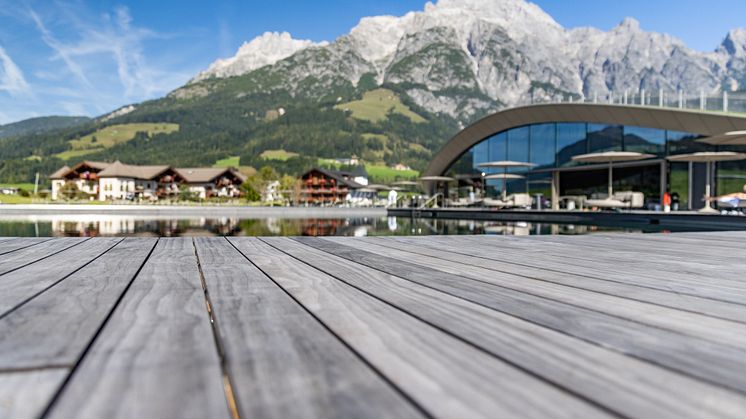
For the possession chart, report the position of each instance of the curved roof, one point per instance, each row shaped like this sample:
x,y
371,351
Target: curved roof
x,y
697,122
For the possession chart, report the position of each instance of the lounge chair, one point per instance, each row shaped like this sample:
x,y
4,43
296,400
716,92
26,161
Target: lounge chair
x,y
619,200
518,200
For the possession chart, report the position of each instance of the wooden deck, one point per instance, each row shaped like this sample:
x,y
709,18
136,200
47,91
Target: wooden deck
x,y
455,327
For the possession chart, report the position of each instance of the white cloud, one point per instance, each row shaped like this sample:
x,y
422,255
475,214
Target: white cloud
x,y
113,36
11,77
62,50
74,108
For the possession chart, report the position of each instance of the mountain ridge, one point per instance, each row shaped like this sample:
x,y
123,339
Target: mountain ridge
x,y
449,64
483,36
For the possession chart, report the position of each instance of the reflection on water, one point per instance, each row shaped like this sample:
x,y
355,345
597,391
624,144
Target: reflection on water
x,y
123,225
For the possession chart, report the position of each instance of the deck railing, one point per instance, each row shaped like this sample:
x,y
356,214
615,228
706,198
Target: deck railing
x,y
729,102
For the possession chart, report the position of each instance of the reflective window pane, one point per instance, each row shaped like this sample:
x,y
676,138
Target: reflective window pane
x,y
684,142
602,137
542,145
571,141
645,140
480,154
518,142
498,147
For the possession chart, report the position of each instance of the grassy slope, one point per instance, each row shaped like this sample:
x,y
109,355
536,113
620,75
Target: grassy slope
x,y
375,105
232,161
112,135
281,155
383,174
24,186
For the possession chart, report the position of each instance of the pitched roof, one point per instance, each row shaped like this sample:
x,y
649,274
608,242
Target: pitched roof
x,y
60,173
359,171
100,165
121,170
206,174
339,177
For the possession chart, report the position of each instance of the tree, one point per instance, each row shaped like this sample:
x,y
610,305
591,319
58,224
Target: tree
x,y
290,188
70,191
251,194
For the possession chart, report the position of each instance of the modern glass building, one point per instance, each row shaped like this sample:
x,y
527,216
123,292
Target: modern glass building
x,y
550,135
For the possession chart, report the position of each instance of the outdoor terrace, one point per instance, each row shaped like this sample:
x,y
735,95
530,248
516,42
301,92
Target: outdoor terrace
x,y
613,325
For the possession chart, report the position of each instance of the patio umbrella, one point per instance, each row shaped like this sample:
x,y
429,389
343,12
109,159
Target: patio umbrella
x,y
378,187
436,179
405,183
505,165
708,157
611,157
729,138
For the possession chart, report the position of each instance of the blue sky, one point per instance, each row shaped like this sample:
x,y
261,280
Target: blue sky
x,y
90,57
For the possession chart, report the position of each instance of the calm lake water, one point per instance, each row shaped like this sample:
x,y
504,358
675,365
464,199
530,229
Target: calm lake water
x,y
124,225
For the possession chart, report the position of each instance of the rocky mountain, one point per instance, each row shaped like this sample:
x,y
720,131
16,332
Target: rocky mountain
x,y
466,57
391,91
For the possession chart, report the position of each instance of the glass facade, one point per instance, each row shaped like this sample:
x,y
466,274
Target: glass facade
x,y
551,146
603,137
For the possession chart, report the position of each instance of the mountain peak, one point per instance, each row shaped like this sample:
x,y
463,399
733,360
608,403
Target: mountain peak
x,y
266,49
735,42
629,24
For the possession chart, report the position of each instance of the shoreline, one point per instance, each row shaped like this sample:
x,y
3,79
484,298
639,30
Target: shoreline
x,y
186,211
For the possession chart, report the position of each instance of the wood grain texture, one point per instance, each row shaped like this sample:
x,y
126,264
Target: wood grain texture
x,y
155,357
8,245
686,278
22,394
56,327
282,361
720,364
650,313
27,256
625,385
553,273
22,284
444,374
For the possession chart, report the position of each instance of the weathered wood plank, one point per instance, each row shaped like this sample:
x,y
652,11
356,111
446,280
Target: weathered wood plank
x,y
719,364
669,248
11,245
20,392
56,327
20,285
625,385
282,361
687,279
552,273
443,374
717,330
156,356
24,257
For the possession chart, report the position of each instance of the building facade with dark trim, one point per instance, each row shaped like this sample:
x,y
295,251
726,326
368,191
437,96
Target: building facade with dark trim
x,y
549,135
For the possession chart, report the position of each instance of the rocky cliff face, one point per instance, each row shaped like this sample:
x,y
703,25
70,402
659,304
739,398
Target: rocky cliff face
x,y
467,57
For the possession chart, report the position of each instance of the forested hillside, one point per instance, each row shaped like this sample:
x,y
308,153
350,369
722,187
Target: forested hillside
x,y
217,119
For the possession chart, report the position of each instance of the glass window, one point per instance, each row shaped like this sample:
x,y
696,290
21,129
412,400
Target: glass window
x,y
480,154
542,145
684,142
731,175
518,144
571,141
645,140
498,147
602,137
678,181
